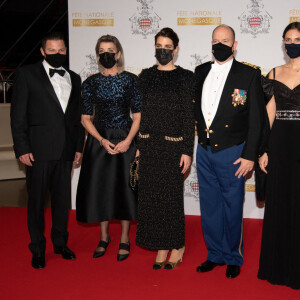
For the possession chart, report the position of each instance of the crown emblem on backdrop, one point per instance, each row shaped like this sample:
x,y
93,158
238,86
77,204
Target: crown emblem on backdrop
x,y
144,21
255,19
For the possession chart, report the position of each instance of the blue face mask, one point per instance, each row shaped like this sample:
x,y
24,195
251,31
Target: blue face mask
x,y
293,50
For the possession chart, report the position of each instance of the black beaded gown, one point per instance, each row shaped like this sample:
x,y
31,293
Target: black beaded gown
x,y
166,132
280,247
103,191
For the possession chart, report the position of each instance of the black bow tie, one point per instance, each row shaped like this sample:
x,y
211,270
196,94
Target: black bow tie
x,y
53,71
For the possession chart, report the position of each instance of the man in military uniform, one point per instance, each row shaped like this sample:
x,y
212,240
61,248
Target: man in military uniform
x,y
229,110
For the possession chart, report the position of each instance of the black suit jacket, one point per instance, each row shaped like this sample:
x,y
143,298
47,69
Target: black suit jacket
x,y
233,124
38,123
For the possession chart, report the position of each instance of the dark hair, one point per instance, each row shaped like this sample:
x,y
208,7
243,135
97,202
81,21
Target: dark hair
x,y
111,39
225,26
54,36
169,33
294,25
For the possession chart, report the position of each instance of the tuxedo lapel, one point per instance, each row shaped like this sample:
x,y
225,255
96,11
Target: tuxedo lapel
x,y
72,88
227,90
47,84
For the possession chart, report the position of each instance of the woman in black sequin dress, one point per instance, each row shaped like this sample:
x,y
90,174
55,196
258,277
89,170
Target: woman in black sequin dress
x,y
280,247
165,143
103,190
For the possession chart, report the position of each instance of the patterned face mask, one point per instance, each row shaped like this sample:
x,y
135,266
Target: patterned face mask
x,y
107,59
164,56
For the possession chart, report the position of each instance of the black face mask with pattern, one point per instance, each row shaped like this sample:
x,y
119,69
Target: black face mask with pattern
x,y
221,51
164,56
107,59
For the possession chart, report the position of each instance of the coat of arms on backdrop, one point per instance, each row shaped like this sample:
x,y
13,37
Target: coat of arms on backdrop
x,y
255,19
144,21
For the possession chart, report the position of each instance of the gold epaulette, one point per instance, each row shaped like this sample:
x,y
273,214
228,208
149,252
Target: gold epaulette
x,y
209,61
250,65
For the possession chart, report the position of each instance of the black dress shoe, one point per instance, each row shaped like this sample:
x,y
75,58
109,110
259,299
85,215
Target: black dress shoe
x,y
232,271
38,261
102,244
65,252
208,266
123,246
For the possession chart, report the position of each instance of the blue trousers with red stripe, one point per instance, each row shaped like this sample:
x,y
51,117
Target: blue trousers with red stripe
x,y
221,202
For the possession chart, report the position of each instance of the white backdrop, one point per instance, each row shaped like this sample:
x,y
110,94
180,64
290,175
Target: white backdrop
x,y
258,24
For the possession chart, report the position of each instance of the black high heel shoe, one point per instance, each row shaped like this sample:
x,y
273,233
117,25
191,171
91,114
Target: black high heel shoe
x,y
102,244
123,246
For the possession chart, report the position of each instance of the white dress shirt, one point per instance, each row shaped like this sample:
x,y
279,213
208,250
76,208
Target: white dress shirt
x,y
212,90
62,85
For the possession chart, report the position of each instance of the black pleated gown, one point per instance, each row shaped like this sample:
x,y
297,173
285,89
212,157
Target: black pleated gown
x,y
280,247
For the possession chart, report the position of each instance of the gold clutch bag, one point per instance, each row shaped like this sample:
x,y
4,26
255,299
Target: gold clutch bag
x,y
134,174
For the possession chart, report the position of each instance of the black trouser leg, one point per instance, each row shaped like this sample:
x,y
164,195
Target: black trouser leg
x,y
37,182
60,188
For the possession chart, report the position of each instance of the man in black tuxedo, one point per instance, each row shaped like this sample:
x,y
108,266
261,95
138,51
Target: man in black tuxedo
x,y
229,110
48,138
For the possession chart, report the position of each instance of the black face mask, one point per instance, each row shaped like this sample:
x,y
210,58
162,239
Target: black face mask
x,y
164,56
107,59
56,60
221,51
293,50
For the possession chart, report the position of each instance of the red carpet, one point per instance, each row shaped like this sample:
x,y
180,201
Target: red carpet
x,y
105,278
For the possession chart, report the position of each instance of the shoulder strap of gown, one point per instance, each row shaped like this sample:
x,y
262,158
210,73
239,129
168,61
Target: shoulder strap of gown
x,y
273,73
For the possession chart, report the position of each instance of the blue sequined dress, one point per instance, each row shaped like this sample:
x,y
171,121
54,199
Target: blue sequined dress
x,y
103,191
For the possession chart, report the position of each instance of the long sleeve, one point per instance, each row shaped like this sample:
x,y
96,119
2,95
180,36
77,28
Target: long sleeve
x,y
87,97
81,130
19,123
139,84
136,98
255,119
188,120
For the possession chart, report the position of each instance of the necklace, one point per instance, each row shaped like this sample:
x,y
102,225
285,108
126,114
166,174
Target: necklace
x,y
110,75
297,70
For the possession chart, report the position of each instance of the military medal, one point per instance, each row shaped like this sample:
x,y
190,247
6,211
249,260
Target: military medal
x,y
239,97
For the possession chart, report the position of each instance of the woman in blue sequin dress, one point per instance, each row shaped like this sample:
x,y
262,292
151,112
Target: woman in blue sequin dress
x,y
103,190
280,247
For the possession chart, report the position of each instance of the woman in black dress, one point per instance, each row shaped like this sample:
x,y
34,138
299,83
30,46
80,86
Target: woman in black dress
x,y
165,143
103,190
280,247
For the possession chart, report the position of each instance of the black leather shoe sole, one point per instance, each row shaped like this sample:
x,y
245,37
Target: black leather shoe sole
x,y
233,271
98,254
38,262
121,257
65,252
208,266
